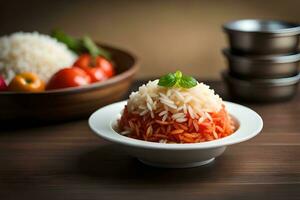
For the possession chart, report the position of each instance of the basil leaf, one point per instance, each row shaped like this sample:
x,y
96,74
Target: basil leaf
x,y
177,79
187,82
168,80
178,75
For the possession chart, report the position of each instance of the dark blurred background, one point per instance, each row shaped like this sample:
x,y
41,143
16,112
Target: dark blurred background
x,y
166,35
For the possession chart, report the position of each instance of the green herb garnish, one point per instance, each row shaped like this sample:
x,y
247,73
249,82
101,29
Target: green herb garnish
x,y
93,49
187,82
72,43
82,45
177,79
168,80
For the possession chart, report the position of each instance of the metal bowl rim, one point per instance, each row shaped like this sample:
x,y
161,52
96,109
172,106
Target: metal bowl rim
x,y
295,30
264,82
289,58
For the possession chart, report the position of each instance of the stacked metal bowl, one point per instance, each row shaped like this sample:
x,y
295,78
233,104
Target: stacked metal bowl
x,y
263,59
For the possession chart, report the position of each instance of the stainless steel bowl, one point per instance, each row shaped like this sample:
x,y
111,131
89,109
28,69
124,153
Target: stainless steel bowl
x,y
252,36
261,90
262,66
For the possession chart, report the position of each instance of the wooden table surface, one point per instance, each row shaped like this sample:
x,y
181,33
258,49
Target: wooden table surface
x,y
67,161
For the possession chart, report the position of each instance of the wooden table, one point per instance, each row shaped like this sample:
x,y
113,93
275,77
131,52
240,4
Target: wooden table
x,y
67,161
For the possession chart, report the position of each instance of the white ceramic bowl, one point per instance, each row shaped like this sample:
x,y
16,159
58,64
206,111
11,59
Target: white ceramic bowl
x,y
175,155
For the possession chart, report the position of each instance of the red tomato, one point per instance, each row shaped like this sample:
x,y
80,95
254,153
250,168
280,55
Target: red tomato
x,y
95,73
83,61
106,66
68,77
98,68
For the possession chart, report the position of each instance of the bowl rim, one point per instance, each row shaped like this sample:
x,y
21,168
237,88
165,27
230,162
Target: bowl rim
x,y
288,58
110,134
294,30
97,85
287,81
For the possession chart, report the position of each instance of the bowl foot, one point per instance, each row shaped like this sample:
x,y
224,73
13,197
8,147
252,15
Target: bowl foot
x,y
176,165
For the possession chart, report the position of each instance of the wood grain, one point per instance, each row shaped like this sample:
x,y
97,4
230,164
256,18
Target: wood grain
x,y
67,161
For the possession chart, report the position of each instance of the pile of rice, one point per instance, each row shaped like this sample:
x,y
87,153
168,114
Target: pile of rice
x,y
33,52
175,115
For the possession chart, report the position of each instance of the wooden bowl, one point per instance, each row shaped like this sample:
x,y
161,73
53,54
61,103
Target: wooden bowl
x,y
70,103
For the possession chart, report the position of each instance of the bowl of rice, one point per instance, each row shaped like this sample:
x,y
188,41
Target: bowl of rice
x,y
44,55
174,126
33,52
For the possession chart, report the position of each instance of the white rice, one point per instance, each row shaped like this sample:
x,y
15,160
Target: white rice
x,y
176,102
33,52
